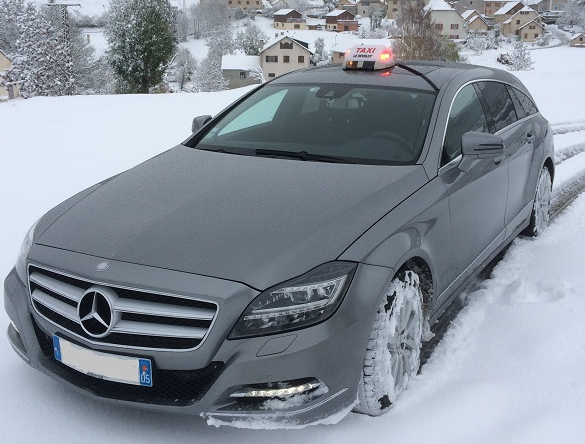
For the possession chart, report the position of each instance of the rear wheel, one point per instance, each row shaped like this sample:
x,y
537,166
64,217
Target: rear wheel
x,y
393,351
541,206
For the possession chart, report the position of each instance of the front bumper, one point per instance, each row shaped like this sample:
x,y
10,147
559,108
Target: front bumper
x,y
201,381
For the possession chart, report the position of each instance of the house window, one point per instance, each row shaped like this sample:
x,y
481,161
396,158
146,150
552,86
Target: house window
x,y
345,28
301,59
271,59
286,45
230,2
532,27
455,26
525,36
523,12
286,59
439,26
271,74
535,36
517,22
242,74
454,37
297,26
488,4
248,2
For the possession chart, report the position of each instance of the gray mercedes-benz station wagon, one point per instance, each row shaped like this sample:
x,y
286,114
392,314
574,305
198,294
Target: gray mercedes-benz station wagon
x,y
288,260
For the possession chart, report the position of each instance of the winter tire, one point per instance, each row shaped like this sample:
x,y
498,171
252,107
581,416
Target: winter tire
x,y
541,206
393,351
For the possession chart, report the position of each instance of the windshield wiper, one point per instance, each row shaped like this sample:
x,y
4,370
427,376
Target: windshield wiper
x,y
302,155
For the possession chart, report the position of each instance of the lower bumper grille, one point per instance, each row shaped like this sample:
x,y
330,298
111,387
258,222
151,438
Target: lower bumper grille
x,y
171,387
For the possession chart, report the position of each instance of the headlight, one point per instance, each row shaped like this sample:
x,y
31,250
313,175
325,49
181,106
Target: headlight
x,y
24,249
304,301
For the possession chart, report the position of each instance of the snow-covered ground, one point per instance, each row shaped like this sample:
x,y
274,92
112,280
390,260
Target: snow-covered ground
x,y
509,369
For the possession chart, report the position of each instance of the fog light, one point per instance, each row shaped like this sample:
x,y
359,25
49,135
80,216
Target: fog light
x,y
280,390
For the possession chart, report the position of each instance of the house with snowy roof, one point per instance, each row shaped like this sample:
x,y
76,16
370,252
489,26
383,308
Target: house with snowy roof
x,y
238,69
12,91
289,19
507,11
395,7
447,20
546,5
341,20
245,4
526,23
284,54
366,7
490,6
476,23
348,5
578,41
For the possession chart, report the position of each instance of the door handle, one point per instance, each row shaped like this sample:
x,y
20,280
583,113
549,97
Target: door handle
x,y
529,138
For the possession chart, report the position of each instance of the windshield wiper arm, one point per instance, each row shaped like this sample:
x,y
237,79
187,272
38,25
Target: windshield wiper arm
x,y
302,155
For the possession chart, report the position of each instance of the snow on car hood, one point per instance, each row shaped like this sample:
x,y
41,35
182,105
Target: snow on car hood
x,y
253,220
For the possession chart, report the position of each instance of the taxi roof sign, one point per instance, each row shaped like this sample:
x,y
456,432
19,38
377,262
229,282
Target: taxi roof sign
x,y
369,57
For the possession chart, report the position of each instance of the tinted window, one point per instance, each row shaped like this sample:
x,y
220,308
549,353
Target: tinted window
x,y
359,123
527,103
499,103
519,108
466,115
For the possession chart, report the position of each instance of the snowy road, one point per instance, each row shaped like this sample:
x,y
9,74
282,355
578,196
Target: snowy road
x,y
509,369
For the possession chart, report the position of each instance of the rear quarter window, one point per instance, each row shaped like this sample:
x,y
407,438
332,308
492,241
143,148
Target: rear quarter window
x,y
499,103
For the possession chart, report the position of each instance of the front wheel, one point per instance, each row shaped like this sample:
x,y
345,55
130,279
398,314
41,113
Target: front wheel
x,y
541,206
393,351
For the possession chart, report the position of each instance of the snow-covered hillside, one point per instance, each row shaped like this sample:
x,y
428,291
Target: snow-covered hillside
x,y
509,369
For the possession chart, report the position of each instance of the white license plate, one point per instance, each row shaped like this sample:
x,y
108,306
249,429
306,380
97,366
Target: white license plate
x,y
128,370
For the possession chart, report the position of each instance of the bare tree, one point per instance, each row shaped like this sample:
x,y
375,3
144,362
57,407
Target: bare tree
x,y
417,38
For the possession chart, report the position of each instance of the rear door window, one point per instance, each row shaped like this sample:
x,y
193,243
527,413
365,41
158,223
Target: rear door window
x,y
499,103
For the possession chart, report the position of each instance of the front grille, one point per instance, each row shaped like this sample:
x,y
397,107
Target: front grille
x,y
140,319
171,387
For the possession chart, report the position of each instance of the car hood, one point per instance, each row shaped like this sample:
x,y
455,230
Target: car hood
x,y
253,220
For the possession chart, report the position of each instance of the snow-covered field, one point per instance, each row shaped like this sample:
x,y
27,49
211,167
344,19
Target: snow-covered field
x,y
509,369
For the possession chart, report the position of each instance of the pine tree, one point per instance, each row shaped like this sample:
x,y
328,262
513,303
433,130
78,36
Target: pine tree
x,y
9,10
141,38
41,63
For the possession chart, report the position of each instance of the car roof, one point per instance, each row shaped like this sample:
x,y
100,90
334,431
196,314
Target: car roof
x,y
439,73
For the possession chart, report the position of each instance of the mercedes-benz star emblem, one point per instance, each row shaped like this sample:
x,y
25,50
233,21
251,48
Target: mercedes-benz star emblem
x,y
102,266
95,313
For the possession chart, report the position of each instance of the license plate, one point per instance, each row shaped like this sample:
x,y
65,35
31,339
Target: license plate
x,y
124,369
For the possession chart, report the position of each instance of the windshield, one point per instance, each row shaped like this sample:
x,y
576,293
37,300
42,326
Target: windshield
x,y
341,123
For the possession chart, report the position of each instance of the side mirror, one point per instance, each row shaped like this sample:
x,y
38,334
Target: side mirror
x,y
482,145
199,122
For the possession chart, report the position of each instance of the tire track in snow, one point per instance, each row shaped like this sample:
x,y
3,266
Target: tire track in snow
x,y
569,151
568,127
